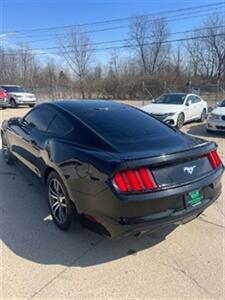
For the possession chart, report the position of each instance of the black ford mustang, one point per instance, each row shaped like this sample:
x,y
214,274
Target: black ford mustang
x,y
116,169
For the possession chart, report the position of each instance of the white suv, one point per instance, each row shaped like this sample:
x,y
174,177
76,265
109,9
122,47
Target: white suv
x,y
17,95
177,108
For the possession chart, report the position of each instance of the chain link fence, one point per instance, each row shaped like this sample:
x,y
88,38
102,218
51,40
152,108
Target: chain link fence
x,y
212,93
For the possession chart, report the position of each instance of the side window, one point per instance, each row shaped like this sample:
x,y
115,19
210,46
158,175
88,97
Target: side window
x,y
59,126
80,133
39,118
197,99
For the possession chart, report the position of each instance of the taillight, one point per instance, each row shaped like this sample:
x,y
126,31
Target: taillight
x,y
214,159
138,180
2,95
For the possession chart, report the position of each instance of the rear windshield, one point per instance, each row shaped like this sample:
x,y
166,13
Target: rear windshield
x,y
14,89
125,127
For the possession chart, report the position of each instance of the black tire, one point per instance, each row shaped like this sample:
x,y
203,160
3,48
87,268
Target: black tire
x,y
31,105
13,103
6,153
180,121
203,116
60,205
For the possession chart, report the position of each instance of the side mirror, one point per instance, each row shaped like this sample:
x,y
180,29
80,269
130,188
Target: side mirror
x,y
14,121
153,100
217,103
188,103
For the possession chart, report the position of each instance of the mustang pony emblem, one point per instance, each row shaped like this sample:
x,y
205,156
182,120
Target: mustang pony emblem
x,y
189,170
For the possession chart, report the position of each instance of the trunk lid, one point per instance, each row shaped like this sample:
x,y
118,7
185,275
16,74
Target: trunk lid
x,y
171,169
179,173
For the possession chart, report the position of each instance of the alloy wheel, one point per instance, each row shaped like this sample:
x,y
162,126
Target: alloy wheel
x,y
203,116
57,200
6,152
13,103
180,121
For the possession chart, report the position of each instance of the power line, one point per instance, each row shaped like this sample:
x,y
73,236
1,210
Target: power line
x,y
129,46
115,20
130,39
47,37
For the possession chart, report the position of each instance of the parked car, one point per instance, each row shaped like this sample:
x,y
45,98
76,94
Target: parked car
x,y
18,95
115,178
178,108
216,118
3,99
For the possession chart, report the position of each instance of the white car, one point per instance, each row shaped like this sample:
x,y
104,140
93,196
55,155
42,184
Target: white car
x,y
216,119
178,108
17,95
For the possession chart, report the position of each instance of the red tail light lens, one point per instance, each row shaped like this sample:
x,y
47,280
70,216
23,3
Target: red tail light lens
x,y
120,182
134,180
214,159
147,179
137,180
2,95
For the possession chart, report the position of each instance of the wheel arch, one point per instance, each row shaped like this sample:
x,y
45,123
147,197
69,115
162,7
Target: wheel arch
x,y
50,170
47,171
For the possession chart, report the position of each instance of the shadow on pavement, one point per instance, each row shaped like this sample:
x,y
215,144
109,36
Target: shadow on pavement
x,y
28,231
200,130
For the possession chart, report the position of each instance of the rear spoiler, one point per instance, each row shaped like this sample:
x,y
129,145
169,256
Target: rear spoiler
x,y
187,154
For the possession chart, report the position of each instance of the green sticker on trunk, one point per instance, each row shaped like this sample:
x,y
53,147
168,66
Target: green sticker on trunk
x,y
194,198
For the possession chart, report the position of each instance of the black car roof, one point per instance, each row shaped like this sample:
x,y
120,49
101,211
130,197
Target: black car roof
x,y
121,127
81,105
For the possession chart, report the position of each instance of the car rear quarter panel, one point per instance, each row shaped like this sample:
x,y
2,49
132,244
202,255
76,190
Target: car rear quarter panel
x,y
84,172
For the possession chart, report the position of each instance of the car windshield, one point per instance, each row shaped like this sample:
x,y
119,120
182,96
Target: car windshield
x,y
223,103
14,89
177,99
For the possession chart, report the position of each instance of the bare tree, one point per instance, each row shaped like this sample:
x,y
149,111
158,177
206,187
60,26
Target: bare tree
x,y
206,48
148,39
26,64
77,51
17,65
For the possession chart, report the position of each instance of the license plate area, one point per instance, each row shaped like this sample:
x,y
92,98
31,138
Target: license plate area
x,y
194,198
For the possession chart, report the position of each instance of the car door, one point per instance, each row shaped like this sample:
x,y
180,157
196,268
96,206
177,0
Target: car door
x,y
198,106
29,138
190,110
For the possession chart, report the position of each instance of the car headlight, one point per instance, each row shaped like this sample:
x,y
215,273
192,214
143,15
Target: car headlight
x,y
170,114
214,117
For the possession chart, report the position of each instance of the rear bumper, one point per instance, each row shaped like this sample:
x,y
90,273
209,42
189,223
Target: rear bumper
x,y
4,104
132,226
26,102
146,213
